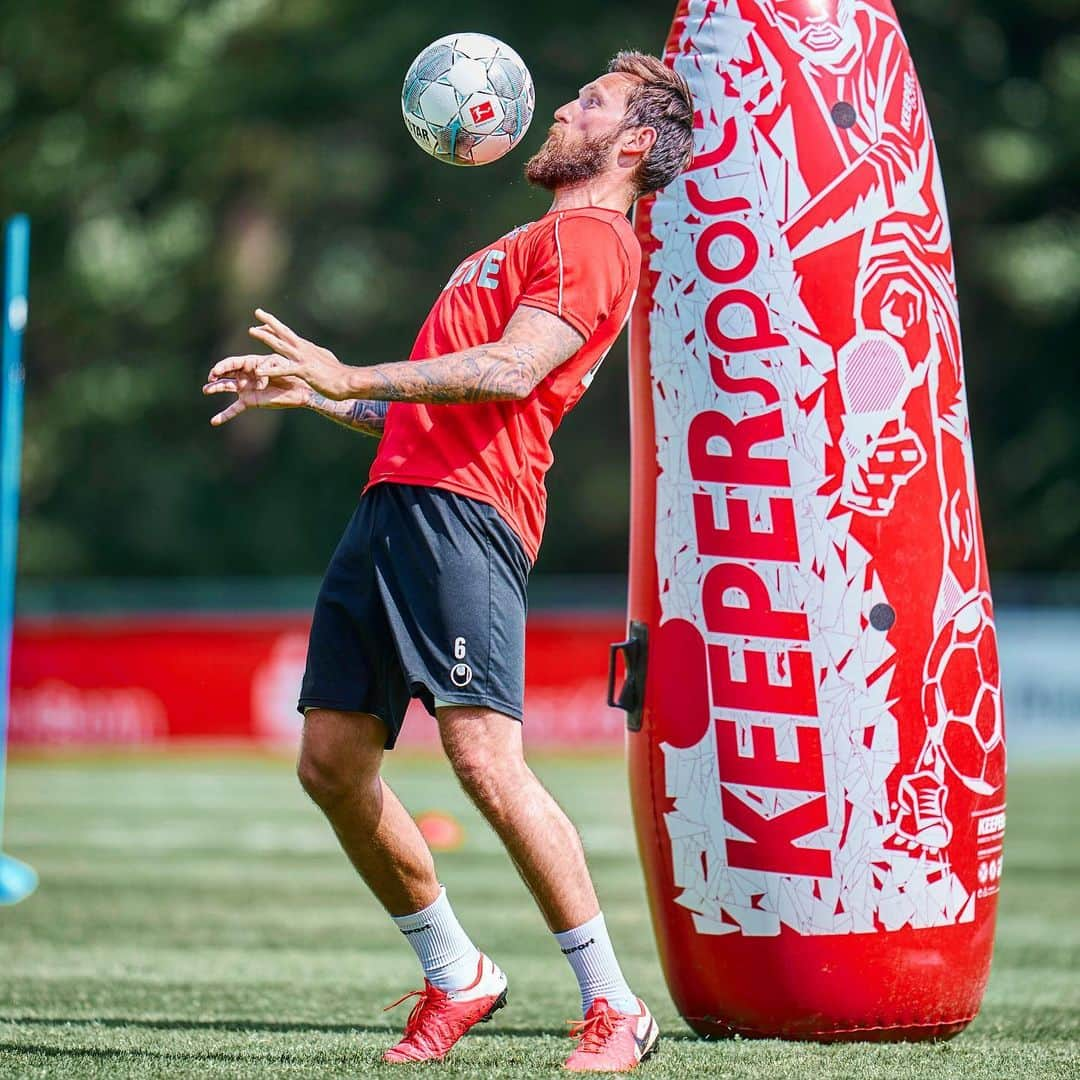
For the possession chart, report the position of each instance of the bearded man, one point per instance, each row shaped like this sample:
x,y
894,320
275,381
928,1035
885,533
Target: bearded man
x,y
425,595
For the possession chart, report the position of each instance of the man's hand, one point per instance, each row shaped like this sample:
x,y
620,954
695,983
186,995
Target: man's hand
x,y
258,392
294,356
533,344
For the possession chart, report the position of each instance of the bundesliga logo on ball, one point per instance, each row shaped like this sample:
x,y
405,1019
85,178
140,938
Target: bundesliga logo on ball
x,y
467,99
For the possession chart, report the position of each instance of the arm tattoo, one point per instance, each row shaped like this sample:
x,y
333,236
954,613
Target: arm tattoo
x,y
534,343
367,417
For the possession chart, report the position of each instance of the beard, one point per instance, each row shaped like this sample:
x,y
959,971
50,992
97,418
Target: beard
x,y
557,165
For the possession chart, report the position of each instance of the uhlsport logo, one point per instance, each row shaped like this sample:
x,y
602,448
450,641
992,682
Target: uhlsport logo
x,y
460,674
578,948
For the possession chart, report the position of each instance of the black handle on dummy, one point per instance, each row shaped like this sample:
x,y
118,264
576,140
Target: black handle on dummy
x,y
631,697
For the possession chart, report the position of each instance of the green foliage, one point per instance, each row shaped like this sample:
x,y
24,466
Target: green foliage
x,y
185,161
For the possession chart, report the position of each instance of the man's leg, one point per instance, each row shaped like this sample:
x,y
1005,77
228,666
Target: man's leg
x,y
340,757
485,749
339,768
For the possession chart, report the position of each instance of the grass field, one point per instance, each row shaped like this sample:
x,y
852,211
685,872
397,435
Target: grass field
x,y
195,919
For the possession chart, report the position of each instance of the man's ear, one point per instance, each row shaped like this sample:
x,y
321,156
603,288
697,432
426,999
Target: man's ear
x,y
638,140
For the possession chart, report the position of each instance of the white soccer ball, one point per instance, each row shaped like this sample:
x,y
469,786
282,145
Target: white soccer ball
x,y
467,99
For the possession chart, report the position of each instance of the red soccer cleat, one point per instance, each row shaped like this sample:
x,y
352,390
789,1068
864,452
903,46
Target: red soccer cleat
x,y
440,1018
611,1041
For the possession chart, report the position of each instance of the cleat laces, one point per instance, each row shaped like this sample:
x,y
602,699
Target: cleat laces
x,y
594,1031
428,1000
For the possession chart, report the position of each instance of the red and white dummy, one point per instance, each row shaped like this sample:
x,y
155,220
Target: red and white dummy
x,y
819,776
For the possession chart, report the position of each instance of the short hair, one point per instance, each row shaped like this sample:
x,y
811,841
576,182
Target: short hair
x,y
661,100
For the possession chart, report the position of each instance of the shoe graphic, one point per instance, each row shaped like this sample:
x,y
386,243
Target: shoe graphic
x,y
921,818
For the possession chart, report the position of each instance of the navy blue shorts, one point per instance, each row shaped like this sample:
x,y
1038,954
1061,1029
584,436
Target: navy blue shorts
x,y
424,597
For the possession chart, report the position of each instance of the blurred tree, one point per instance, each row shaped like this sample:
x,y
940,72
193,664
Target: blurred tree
x,y
185,161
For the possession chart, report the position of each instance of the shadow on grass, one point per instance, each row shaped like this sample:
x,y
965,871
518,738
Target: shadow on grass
x,y
240,1026
127,1053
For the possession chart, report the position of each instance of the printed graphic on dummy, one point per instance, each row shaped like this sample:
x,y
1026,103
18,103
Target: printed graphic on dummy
x,y
965,735
837,834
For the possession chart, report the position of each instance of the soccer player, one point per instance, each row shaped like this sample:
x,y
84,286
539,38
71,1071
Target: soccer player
x,y
425,595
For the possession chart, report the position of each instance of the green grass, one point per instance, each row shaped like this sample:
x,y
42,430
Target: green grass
x,y
195,919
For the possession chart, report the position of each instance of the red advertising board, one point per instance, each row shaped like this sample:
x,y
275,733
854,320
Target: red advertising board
x,y
217,679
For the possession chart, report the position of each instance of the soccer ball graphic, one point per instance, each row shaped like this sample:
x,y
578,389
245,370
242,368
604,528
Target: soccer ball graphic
x,y
467,99
962,698
965,731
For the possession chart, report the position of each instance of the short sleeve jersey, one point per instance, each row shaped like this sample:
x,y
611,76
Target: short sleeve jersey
x,y
581,265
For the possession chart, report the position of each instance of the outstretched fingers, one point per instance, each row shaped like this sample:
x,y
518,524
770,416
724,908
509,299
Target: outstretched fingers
x,y
228,413
230,386
269,336
256,366
233,366
250,377
278,327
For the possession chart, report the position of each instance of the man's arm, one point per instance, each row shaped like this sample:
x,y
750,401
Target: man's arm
x,y
287,392
534,343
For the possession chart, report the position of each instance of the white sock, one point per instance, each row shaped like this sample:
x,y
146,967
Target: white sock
x,y
588,948
449,959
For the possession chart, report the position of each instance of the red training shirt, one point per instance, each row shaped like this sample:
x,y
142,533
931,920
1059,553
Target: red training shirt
x,y
581,265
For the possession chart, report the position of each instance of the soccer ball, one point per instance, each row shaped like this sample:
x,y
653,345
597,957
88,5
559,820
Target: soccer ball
x,y
467,99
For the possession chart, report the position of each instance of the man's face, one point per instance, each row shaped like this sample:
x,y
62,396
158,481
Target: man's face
x,y
820,30
581,142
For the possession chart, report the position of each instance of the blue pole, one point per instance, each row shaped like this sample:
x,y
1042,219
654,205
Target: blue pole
x,y
17,880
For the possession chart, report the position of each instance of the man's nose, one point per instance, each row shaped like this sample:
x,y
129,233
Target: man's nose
x,y
562,113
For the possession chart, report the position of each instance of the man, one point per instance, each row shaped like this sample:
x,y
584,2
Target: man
x,y
425,596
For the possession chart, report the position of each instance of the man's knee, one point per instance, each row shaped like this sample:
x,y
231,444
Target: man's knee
x,y
322,776
489,768
475,770
340,754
